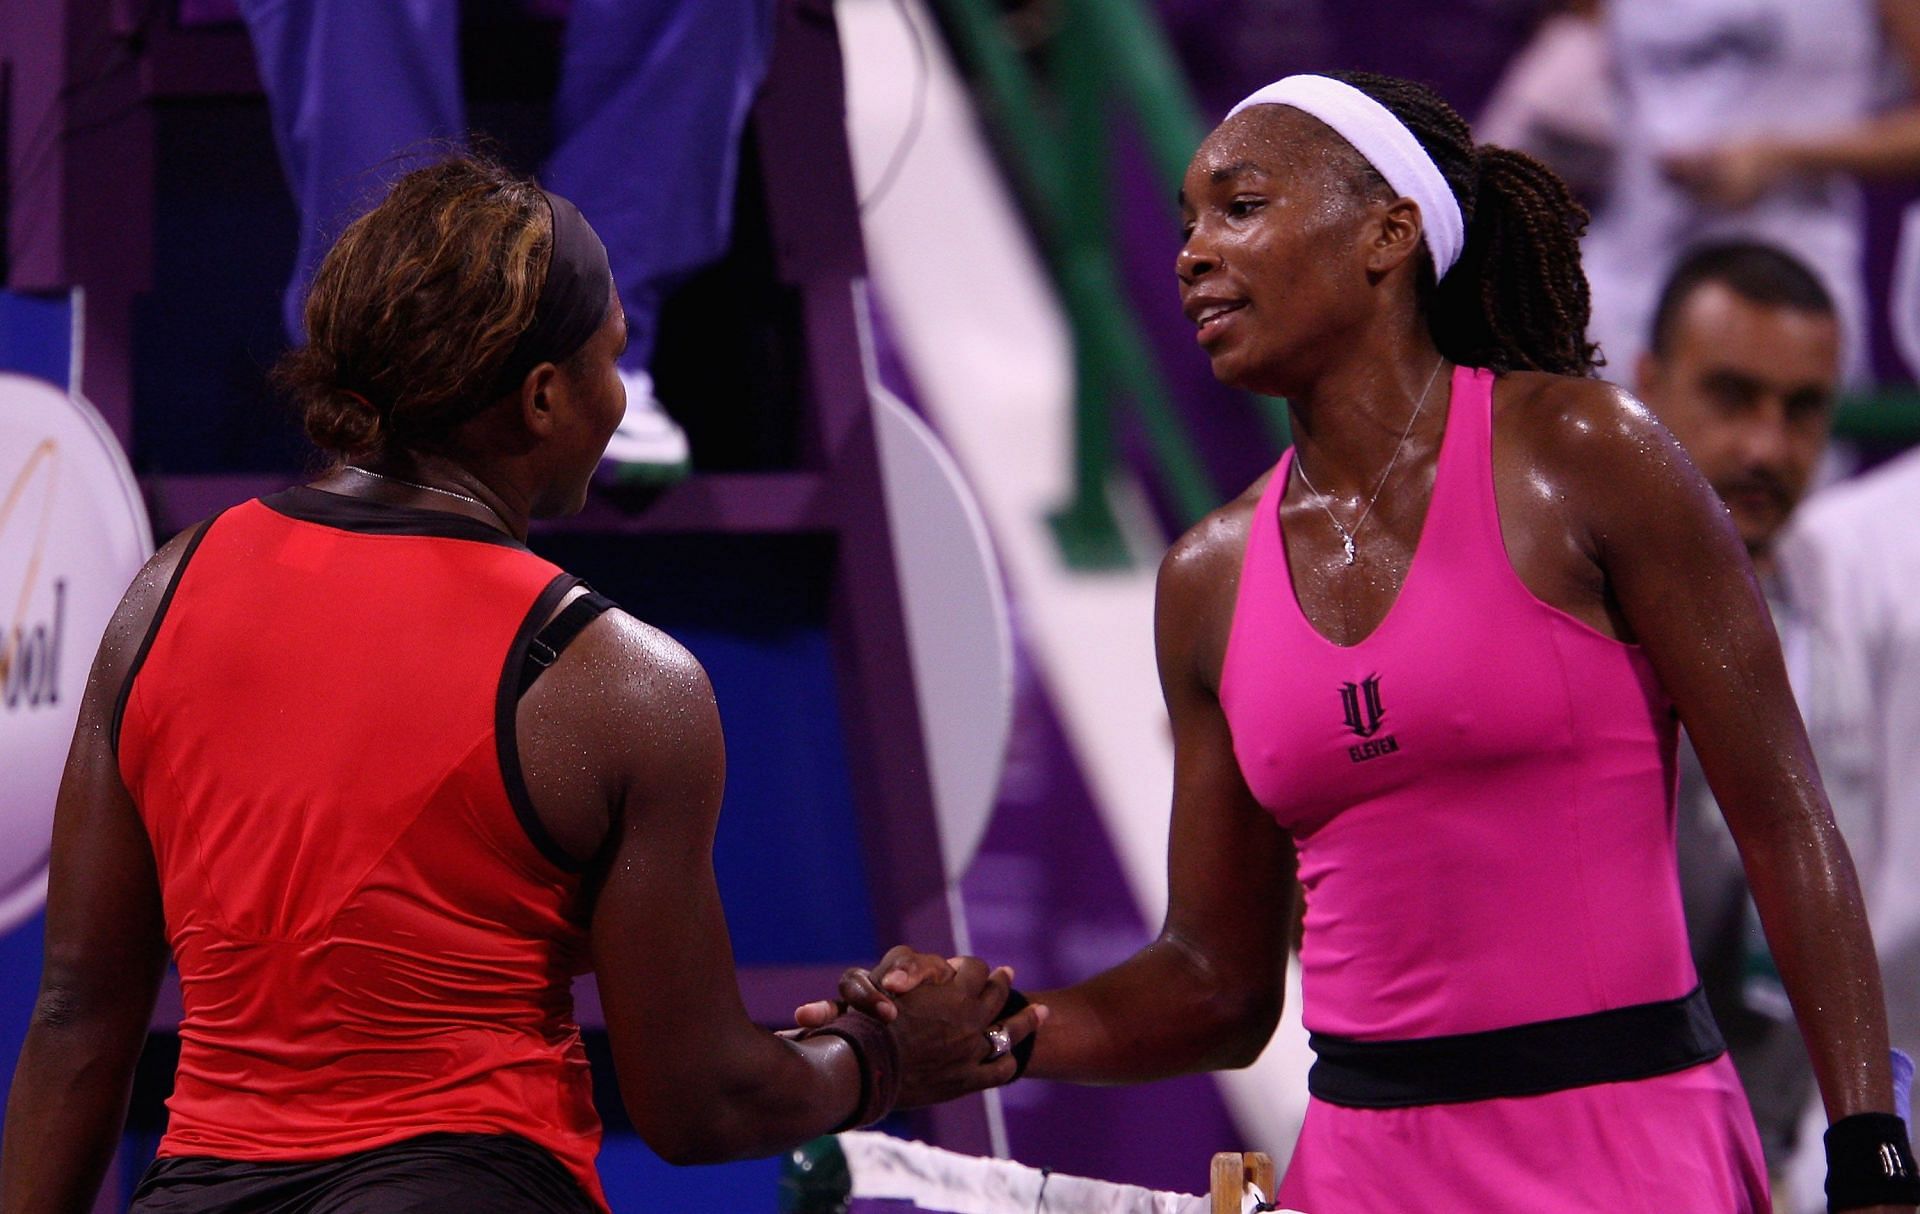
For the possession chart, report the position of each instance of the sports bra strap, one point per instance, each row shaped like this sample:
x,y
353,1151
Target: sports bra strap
x,y
552,640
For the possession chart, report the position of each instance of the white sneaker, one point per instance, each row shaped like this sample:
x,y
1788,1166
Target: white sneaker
x,y
648,447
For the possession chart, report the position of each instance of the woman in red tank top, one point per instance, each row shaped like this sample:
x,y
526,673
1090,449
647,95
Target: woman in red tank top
x,y
381,781
1472,786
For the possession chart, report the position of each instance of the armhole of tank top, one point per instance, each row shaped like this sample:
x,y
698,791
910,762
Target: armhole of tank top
x,y
505,719
153,630
1265,513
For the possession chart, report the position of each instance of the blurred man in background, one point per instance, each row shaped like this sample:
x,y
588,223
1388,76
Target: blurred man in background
x,y
1743,365
1852,559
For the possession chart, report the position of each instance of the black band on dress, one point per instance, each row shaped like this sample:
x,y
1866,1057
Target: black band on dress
x,y
1623,1043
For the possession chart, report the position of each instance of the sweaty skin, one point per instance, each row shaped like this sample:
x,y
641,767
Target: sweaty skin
x,y
624,762
1303,286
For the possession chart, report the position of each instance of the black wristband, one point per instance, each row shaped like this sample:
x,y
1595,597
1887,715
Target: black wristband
x,y
878,1057
1022,1053
1869,1163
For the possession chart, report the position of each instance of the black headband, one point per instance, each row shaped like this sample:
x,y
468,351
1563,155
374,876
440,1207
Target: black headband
x,y
573,299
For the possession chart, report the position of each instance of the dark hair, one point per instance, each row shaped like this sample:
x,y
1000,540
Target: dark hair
x,y
1517,298
415,309
1759,273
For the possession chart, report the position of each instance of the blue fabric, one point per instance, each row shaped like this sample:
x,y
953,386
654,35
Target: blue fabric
x,y
36,336
653,97
356,87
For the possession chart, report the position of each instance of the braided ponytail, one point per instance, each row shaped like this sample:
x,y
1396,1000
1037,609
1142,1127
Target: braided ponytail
x,y
1517,298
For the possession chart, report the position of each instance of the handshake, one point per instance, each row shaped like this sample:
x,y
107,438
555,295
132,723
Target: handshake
x,y
926,1029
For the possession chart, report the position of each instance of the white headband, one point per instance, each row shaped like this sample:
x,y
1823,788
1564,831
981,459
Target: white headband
x,y
1388,146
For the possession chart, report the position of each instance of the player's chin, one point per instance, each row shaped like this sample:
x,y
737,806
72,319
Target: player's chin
x,y
1250,371
1231,366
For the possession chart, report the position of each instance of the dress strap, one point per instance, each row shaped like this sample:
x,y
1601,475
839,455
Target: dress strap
x,y
1463,526
547,644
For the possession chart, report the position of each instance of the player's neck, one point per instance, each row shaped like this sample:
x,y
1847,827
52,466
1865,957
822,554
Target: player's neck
x,y
1352,420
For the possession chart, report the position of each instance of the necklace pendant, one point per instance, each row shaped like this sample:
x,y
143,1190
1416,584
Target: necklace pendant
x,y
1347,542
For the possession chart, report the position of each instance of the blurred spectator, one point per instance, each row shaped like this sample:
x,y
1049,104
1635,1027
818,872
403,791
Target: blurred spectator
x,y
1743,365
1746,117
652,100
1852,559
1556,100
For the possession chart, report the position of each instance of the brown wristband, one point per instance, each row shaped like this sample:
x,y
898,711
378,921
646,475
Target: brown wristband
x,y
878,1058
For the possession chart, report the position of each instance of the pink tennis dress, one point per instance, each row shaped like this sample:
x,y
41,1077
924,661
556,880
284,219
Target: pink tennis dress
x,y
1482,796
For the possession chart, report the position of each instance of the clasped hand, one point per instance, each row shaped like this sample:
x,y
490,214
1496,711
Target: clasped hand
x,y
938,1011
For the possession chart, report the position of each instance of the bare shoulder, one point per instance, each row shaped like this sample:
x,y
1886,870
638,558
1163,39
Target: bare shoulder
x,y
625,717
1207,557
149,585
141,604
647,654
1596,447
1560,418
1617,476
635,676
1198,586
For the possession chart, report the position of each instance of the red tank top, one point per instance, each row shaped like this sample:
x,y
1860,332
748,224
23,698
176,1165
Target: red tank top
x,y
375,936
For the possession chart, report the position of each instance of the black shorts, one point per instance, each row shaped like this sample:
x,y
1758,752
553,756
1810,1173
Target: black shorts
x,y
466,1173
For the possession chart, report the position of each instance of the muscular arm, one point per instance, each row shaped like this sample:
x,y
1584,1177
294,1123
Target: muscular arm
x,y
623,732
1206,993
700,1080
106,948
1681,580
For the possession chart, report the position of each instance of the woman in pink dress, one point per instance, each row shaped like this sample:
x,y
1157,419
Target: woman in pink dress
x,y
1427,673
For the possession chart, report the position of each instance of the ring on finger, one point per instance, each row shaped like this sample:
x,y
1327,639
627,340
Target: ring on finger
x,y
999,1043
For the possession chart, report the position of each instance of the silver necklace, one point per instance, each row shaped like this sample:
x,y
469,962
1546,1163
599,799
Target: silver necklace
x,y
1347,533
381,476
